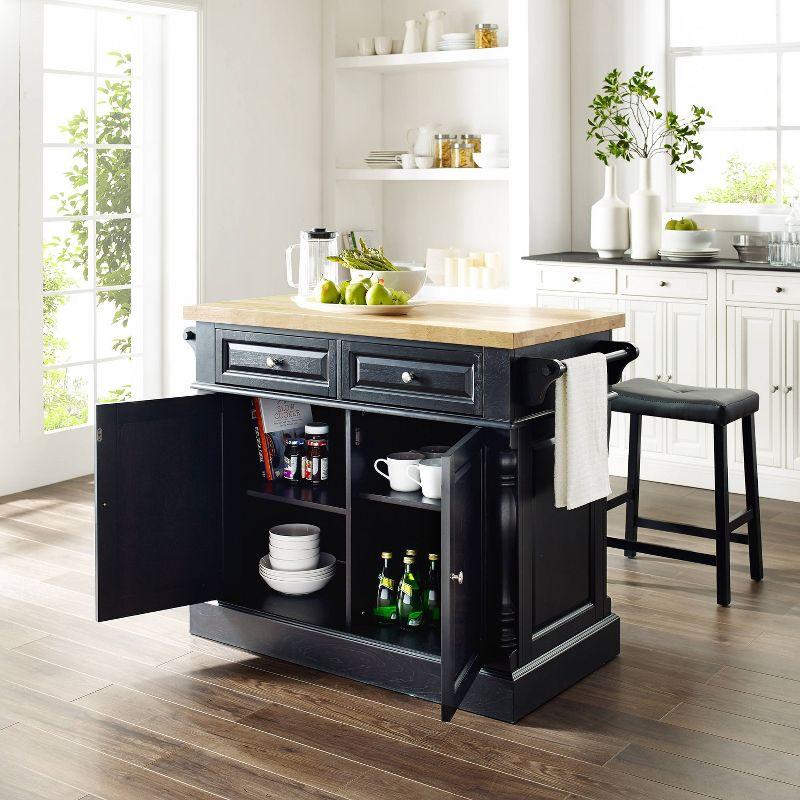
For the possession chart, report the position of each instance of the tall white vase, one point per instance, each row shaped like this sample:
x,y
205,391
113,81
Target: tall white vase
x,y
645,215
610,232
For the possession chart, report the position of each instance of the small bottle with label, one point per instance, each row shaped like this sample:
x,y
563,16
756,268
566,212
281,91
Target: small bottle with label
x,y
385,609
316,433
433,611
410,606
293,456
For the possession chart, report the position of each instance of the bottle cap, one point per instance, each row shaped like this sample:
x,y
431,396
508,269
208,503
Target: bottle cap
x,y
408,560
411,553
433,556
317,429
386,554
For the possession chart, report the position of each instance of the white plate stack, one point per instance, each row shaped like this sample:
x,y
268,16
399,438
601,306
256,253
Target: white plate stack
x,y
383,159
456,41
295,564
685,256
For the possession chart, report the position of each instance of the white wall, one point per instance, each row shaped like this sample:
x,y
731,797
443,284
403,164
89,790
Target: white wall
x,y
262,140
607,34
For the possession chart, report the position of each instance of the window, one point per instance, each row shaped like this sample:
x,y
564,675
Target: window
x,y
741,60
99,151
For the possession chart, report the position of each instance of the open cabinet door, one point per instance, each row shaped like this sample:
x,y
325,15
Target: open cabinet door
x,y
158,504
462,579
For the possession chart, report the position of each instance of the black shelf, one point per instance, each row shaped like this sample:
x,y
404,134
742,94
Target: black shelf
x,y
426,640
323,609
407,499
324,498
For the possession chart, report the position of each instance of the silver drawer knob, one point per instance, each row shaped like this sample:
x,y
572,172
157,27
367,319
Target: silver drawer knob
x,y
663,283
575,279
779,289
274,362
457,578
407,377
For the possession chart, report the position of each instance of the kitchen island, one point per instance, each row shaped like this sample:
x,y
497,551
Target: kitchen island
x,y
182,515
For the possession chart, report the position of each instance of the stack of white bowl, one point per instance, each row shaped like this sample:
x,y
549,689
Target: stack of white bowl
x,y
295,564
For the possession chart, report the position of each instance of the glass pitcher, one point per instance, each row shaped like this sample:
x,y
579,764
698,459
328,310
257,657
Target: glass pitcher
x,y
315,247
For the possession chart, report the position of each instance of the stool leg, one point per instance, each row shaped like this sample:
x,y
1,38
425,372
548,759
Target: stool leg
x,y
722,514
634,460
751,491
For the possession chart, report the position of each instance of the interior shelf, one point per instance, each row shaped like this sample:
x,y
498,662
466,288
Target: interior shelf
x,y
426,640
407,499
469,174
324,498
495,56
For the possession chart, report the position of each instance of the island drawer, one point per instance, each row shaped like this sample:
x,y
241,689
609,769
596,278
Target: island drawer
x,y
569,278
276,362
664,283
777,288
427,378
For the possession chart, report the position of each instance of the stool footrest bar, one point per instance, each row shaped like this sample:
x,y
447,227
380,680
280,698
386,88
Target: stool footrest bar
x,y
737,522
691,530
662,550
613,502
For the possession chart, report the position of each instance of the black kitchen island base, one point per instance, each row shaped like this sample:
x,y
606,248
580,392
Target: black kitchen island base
x,y
506,696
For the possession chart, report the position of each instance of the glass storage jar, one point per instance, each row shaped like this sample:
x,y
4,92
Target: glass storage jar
x,y
474,139
485,35
443,145
462,154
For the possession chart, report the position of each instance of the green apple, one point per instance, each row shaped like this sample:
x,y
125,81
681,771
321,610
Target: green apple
x,y
327,292
671,225
356,294
685,225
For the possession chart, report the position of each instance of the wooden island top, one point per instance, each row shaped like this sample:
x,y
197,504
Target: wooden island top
x,y
508,327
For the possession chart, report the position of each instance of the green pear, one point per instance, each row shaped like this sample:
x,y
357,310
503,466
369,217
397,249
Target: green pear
x,y
326,292
343,291
356,294
379,295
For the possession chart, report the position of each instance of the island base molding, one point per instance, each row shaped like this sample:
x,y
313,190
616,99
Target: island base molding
x,y
505,696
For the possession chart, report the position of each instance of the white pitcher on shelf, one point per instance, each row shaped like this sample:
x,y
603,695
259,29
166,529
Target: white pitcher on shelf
x,y
434,30
412,43
421,140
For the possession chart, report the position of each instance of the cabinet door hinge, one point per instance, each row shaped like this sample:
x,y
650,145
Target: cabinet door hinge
x,y
99,434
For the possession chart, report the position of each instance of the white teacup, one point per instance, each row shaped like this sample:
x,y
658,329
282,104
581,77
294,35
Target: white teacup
x,y
406,160
366,46
430,476
383,45
397,465
423,162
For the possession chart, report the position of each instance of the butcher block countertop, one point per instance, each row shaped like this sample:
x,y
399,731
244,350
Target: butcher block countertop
x,y
450,323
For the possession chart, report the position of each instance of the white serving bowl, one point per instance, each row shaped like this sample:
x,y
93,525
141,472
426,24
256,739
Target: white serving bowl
x,y
325,564
491,160
305,562
289,553
686,241
408,278
294,536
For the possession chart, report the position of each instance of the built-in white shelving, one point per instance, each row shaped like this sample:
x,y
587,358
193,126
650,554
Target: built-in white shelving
x,y
405,62
422,174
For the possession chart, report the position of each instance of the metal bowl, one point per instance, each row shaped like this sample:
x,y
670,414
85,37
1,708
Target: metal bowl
x,y
753,248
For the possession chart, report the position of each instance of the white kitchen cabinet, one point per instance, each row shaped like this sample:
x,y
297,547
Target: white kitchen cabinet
x,y
756,361
791,388
556,301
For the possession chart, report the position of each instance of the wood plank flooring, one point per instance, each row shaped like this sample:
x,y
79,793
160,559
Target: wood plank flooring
x,y
703,701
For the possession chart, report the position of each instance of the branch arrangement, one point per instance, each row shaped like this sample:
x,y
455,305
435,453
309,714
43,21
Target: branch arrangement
x,y
627,122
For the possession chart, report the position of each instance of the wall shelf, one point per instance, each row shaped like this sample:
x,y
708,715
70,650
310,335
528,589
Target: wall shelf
x,y
494,57
473,174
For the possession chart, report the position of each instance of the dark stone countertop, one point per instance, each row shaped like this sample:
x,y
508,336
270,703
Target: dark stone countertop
x,y
625,261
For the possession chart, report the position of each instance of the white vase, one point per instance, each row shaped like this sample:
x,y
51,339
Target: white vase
x,y
645,215
610,232
434,30
412,43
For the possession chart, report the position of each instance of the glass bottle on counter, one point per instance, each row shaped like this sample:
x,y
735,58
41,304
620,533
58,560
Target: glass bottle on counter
x,y
385,610
432,607
410,603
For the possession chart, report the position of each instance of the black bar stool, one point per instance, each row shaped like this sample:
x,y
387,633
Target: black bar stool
x,y
718,407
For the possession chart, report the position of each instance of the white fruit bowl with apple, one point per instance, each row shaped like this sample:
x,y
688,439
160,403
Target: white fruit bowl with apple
x,y
686,237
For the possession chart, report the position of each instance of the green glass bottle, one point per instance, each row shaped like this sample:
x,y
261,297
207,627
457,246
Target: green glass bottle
x,y
410,603
385,610
433,610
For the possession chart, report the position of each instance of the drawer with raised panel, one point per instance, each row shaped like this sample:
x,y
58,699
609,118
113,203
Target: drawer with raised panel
x,y
427,378
783,288
656,283
276,362
568,278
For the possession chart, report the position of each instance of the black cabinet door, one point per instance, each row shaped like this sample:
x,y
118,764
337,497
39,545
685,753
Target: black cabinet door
x,y
462,578
158,504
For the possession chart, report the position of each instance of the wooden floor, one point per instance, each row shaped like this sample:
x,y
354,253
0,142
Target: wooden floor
x,y
703,701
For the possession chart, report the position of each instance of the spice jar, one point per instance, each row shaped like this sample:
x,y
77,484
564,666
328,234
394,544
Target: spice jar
x,y
443,144
474,139
485,35
294,456
462,154
315,434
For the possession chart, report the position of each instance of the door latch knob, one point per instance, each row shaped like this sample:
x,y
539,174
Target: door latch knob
x,y
663,283
273,362
457,578
576,279
779,289
407,377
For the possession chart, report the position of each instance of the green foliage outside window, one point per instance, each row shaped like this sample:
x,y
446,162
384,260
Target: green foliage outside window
x,y
750,183
66,400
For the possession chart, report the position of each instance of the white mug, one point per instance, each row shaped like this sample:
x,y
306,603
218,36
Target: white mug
x,y
366,46
423,162
406,160
383,45
430,476
397,464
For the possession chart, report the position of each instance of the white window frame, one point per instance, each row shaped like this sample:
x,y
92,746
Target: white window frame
x,y
778,48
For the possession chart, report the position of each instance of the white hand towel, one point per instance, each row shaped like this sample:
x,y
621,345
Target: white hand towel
x,y
581,457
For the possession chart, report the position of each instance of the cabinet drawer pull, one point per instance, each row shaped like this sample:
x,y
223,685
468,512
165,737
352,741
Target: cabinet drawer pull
x,y
274,362
788,389
779,289
407,377
669,378
457,578
775,389
658,377
663,283
576,279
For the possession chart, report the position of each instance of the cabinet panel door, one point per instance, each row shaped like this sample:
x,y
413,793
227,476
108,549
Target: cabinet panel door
x,y
755,356
792,389
462,568
687,363
646,330
556,301
158,504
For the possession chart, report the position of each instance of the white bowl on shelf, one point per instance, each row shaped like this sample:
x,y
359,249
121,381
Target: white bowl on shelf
x,y
687,241
408,278
491,160
294,536
298,582
288,553
307,587
305,562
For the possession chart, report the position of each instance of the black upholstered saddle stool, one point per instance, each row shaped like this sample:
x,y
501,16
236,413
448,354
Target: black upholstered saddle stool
x,y
718,407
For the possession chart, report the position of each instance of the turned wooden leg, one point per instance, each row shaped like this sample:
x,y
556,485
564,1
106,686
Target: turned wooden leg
x,y
722,514
634,462
507,530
